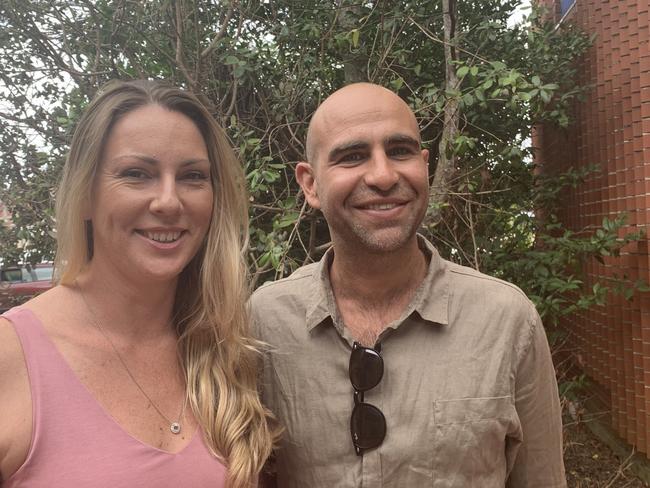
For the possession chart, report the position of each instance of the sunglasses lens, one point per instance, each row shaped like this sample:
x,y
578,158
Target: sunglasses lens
x,y
368,426
366,368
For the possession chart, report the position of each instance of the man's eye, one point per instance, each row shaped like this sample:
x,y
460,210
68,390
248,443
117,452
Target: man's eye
x,y
400,151
351,158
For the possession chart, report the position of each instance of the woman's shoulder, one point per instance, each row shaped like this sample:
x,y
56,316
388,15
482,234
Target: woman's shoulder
x,y
52,307
43,308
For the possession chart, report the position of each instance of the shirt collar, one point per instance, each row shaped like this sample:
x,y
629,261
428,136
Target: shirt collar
x,y
431,300
322,303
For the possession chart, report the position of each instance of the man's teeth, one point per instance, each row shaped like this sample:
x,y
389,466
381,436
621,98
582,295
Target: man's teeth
x,y
381,206
163,236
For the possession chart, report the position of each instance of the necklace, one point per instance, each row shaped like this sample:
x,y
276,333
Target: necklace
x,y
174,426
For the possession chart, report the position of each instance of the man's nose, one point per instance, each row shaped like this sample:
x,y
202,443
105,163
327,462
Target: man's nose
x,y
166,200
381,172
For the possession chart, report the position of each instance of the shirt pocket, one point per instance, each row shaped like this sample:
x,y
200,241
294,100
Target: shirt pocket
x,y
469,448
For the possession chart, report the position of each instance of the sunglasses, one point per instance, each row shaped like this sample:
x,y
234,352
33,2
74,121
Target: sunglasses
x,y
367,424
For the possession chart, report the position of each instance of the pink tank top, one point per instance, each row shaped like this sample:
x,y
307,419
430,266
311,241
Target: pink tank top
x,y
76,443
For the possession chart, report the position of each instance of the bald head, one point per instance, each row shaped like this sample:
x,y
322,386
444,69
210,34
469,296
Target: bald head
x,y
350,102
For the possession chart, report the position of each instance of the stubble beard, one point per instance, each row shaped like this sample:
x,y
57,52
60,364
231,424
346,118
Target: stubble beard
x,y
369,239
386,240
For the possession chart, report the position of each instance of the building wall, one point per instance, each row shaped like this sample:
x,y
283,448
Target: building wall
x,y
612,130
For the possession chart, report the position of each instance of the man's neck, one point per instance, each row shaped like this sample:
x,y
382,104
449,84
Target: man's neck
x,y
373,289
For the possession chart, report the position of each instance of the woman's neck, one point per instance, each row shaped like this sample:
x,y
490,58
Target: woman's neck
x,y
131,310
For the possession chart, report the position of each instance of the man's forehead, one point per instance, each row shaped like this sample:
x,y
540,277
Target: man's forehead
x,y
356,121
350,115
361,107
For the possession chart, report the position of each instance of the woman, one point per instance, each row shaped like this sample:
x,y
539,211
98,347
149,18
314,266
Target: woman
x,y
136,370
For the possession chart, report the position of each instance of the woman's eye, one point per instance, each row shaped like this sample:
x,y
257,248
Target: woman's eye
x,y
196,175
134,173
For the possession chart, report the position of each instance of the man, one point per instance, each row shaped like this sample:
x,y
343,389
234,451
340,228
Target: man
x,y
389,366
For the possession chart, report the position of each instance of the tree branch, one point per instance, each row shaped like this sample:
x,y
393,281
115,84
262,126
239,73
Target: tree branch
x,y
222,31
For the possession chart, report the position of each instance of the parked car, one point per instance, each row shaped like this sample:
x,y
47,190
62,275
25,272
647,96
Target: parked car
x,y
20,283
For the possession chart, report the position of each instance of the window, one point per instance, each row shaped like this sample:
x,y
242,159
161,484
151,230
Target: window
x,y
565,5
27,274
12,275
43,272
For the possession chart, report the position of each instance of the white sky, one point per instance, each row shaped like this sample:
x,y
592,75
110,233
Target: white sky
x,y
519,13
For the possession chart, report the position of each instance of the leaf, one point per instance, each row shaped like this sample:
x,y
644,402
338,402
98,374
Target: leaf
x,y
355,38
545,96
462,71
397,83
287,220
264,259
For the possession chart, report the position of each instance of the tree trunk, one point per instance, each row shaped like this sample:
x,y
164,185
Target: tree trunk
x,y
354,63
446,167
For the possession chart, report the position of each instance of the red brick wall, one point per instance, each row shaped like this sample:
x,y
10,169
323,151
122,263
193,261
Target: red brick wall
x,y
612,130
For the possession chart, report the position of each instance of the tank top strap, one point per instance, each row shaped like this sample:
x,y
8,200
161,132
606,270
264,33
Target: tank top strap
x,y
55,389
75,442
45,366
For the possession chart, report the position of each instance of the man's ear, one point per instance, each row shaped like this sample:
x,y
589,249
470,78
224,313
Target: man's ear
x,y
307,181
425,158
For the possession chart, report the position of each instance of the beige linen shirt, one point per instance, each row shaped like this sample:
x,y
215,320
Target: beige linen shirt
x,y
468,391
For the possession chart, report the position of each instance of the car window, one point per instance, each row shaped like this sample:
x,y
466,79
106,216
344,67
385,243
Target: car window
x,y
44,273
27,274
12,275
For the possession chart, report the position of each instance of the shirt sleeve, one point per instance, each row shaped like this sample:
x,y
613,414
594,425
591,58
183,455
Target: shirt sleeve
x,y
538,459
268,476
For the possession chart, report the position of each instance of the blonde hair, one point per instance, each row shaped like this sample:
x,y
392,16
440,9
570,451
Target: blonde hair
x,y
212,321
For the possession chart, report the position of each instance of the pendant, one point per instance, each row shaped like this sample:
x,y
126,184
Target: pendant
x,y
175,427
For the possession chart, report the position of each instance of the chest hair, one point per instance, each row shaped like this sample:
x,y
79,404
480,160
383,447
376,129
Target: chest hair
x,y
366,320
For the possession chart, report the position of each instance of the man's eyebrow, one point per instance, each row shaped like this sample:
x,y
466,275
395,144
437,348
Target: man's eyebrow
x,y
348,146
401,139
361,145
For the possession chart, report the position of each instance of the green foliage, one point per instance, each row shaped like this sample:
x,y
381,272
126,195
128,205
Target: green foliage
x,y
572,388
263,67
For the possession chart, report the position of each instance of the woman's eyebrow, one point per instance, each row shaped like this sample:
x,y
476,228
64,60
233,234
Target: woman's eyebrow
x,y
153,161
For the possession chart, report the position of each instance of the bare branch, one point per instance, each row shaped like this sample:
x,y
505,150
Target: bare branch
x,y
222,31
